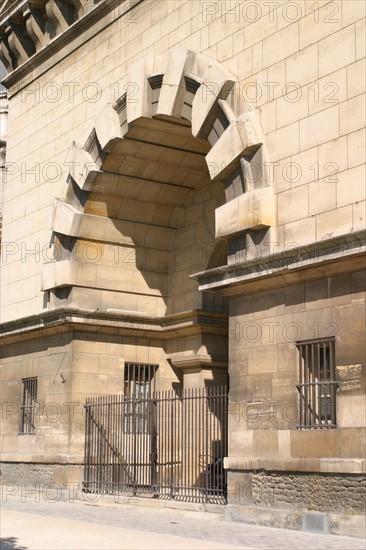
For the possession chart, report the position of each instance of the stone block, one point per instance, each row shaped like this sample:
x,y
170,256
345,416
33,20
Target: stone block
x,y
287,357
242,134
300,232
302,66
337,50
283,443
352,11
138,102
327,91
251,210
293,204
292,106
300,168
352,443
349,186
356,148
310,33
334,222
351,349
66,220
240,442
314,443
351,411
57,274
218,84
358,285
319,128
83,169
348,525
294,298
263,360
173,90
267,113
268,304
274,86
352,114
85,362
97,385
332,159
265,443
355,78
284,142
63,475
316,294
320,199
259,29
360,28
288,37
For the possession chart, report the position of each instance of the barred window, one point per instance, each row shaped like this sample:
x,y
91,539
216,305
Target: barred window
x,y
317,385
139,382
28,406
139,379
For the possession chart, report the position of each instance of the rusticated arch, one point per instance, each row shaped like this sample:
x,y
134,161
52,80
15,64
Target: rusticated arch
x,y
165,173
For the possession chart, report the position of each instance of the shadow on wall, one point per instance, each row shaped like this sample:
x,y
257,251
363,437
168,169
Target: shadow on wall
x,y
169,208
10,543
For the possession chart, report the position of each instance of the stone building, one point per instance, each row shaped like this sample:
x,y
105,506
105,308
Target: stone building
x,y
185,189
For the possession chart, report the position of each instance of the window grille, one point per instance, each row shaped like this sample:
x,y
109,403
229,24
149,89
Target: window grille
x,y
317,385
139,382
28,406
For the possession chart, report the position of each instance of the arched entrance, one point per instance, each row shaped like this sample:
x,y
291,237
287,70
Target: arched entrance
x,y
165,185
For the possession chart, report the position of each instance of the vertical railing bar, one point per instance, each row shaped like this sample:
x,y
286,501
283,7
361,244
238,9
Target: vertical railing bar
x,y
333,379
306,378
195,409
302,374
205,401
194,492
102,467
91,444
322,386
97,444
96,440
171,444
86,443
314,363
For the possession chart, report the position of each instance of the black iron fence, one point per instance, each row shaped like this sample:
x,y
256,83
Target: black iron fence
x,y
164,445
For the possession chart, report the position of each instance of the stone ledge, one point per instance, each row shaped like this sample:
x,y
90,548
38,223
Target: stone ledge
x,y
286,266
52,459
320,465
126,322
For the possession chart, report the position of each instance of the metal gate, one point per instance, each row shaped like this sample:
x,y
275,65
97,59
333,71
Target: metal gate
x,y
165,445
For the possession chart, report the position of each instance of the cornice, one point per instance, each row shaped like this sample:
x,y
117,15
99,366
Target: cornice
x,y
292,265
125,323
27,50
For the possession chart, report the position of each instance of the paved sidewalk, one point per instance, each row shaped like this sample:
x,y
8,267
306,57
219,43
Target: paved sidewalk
x,y
43,525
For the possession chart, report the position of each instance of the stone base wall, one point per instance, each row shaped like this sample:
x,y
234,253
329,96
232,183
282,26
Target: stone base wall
x,y
48,480
339,493
324,503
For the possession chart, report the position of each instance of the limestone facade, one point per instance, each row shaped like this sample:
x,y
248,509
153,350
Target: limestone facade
x,y
185,187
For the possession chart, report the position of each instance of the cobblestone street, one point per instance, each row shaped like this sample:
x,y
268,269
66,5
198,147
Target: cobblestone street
x,y
45,525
